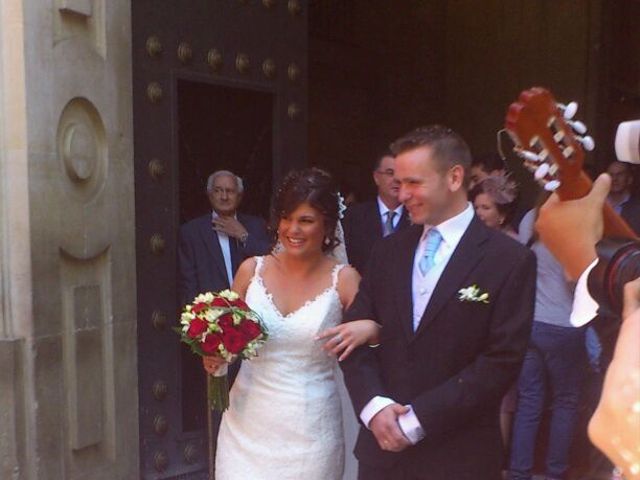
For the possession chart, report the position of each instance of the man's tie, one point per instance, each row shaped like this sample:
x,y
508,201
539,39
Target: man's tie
x,y
387,228
430,248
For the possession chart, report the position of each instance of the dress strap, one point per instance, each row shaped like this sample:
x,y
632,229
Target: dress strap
x,y
259,265
335,273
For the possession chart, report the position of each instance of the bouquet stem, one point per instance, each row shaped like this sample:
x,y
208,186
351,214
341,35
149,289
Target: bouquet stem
x,y
218,389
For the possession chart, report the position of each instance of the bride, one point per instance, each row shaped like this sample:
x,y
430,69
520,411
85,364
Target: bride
x,y
285,419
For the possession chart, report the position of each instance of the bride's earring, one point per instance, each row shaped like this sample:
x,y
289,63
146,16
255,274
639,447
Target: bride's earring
x,y
277,248
327,241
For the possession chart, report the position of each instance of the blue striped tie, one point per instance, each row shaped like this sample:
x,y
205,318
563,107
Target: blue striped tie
x,y
430,248
387,228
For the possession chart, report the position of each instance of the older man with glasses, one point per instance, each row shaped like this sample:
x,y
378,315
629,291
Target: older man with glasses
x,y
211,247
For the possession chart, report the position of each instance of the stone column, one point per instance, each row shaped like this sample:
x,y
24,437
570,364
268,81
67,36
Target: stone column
x,y
15,284
67,250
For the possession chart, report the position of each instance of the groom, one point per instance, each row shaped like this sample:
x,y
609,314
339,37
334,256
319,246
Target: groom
x,y
455,301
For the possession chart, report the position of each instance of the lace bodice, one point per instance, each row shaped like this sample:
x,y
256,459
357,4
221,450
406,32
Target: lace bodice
x,y
292,336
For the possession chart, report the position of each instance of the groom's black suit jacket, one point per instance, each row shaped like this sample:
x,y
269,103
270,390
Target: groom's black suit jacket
x,y
463,357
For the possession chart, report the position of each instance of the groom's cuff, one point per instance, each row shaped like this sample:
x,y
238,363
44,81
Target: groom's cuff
x,y
410,426
372,408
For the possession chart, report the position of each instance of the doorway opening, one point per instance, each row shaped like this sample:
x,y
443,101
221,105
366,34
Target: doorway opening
x,y
218,128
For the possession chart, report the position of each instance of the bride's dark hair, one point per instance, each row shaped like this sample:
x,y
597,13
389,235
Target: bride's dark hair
x,y
315,187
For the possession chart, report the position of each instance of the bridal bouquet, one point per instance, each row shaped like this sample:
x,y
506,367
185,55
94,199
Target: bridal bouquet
x,y
221,324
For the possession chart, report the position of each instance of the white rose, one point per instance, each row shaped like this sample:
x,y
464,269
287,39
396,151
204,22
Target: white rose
x,y
229,295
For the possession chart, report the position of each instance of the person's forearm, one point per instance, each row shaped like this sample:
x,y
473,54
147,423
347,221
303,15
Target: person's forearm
x,y
374,333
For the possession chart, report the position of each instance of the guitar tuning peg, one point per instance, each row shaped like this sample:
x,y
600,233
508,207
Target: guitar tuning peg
x,y
587,142
569,109
578,126
541,171
527,155
552,186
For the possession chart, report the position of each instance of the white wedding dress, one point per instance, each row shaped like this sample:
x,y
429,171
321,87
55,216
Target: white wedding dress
x,y
285,418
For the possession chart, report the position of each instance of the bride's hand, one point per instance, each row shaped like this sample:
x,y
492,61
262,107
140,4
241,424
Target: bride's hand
x,y
212,363
344,338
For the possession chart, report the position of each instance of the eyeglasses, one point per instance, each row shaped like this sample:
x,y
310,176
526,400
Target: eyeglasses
x,y
227,191
389,172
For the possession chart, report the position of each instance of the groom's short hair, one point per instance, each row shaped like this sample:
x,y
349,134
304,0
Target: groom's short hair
x,y
447,147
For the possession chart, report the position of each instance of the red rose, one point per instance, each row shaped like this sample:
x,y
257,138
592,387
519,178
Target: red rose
x,y
240,304
198,307
197,327
233,340
219,302
250,330
211,343
226,321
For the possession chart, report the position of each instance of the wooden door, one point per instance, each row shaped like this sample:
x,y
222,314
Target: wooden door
x,y
217,85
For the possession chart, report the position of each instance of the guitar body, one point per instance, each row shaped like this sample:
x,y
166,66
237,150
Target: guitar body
x,y
537,126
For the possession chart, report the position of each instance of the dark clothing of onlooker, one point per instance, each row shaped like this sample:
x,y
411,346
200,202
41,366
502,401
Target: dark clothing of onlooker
x,y
363,227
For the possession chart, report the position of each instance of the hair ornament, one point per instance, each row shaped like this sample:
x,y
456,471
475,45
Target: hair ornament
x,y
341,206
501,188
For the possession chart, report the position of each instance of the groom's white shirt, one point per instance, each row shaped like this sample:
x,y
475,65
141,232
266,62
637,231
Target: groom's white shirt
x,y
422,287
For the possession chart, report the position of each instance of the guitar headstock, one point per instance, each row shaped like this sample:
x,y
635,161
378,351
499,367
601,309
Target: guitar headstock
x,y
549,142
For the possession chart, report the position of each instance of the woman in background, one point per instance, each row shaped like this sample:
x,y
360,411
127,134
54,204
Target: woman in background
x,y
554,367
494,200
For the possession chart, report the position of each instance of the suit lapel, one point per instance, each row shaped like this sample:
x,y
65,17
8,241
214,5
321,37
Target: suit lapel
x,y
467,254
210,239
374,222
404,265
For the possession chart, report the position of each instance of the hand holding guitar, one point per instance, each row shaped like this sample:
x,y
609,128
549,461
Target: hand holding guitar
x,y
571,229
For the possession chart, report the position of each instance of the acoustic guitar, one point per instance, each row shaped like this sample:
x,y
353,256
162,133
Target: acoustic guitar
x,y
552,146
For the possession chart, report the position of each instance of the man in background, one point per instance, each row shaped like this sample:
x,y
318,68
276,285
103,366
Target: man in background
x,y
484,166
211,247
620,197
210,250
367,222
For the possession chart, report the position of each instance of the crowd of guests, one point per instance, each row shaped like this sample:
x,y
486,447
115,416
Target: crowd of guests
x,y
561,361
561,358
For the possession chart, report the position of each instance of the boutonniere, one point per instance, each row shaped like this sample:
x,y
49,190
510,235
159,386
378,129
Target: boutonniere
x,y
472,293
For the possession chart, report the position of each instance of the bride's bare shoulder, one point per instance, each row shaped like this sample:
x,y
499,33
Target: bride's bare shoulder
x,y
348,282
244,275
348,274
247,266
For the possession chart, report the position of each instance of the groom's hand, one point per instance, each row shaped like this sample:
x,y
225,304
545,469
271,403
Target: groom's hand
x,y
386,429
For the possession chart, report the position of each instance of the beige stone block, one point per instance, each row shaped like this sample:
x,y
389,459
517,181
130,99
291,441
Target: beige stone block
x,y
86,406
79,7
49,411
11,410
